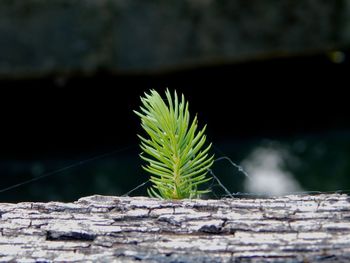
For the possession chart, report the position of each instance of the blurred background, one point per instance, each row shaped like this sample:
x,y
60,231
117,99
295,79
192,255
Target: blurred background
x,y
269,79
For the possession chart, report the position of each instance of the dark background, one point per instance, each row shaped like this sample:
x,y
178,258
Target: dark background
x,y
50,123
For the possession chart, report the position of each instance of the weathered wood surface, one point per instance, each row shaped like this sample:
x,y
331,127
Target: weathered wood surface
x,y
312,228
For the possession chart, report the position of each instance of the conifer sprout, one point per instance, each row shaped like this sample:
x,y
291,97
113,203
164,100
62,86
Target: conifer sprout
x,y
174,150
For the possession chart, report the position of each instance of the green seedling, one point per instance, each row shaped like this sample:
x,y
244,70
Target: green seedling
x,y
174,150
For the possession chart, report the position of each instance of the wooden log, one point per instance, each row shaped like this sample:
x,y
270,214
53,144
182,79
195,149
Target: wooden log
x,y
294,228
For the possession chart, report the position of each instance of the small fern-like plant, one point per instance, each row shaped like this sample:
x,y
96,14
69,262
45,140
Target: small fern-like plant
x,y
174,150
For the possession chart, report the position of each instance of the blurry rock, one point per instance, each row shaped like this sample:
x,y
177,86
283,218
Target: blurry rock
x,y
39,37
268,176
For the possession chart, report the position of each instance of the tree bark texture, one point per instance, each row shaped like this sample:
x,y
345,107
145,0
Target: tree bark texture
x,y
294,228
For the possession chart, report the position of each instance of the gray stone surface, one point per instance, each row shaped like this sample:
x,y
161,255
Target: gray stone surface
x,y
310,228
41,37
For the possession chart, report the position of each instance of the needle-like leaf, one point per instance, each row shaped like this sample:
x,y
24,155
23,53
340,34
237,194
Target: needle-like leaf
x,y
177,159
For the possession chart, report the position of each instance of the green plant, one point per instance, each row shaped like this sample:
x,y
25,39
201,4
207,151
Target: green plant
x,y
174,150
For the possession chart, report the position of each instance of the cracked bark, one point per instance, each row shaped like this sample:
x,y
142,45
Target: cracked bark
x,y
292,228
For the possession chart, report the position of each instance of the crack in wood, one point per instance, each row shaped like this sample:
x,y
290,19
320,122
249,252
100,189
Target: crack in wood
x,y
104,228
72,235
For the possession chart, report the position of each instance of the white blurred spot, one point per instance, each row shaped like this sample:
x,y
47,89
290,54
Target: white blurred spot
x,y
265,167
